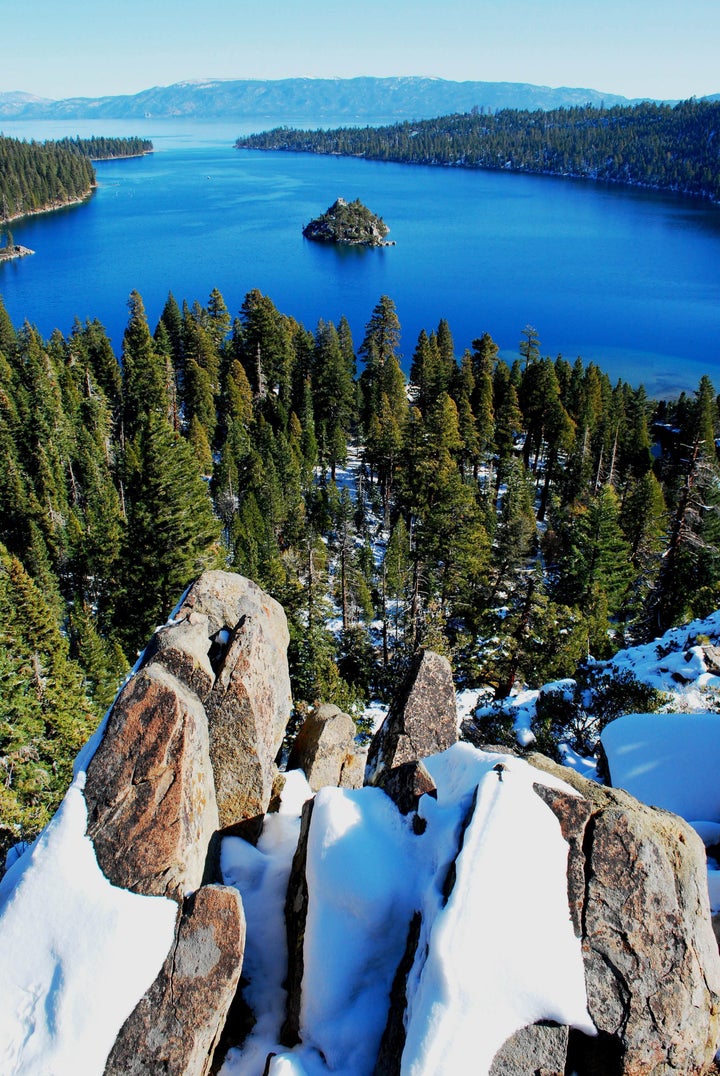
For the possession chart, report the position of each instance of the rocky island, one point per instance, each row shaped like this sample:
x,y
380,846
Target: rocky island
x,y
350,223
13,250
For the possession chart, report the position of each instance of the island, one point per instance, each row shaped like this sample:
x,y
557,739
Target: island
x,y
349,223
13,250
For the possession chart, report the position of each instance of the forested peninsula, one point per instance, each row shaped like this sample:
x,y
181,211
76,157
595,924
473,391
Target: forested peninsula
x,y
39,176
515,517
674,148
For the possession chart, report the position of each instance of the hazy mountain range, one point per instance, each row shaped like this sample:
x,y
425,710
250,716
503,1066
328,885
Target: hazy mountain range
x,y
298,98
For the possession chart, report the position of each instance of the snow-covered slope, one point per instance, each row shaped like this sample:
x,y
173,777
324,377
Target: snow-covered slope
x,y
368,870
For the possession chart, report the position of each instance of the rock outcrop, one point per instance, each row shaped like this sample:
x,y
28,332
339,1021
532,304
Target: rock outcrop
x,y
421,721
324,749
191,741
538,1048
174,1028
296,905
249,704
149,789
638,888
188,753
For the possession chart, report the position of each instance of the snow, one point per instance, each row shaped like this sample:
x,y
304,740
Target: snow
x,y
497,954
374,714
361,871
77,952
671,760
483,978
467,702
668,760
261,874
368,872
674,663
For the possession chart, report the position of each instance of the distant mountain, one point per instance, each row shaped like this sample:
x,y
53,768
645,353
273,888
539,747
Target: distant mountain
x,y
354,99
14,104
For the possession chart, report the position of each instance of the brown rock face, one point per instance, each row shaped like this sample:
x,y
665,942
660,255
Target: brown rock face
x,y
572,813
249,705
352,774
652,968
191,741
405,785
421,721
324,747
183,649
151,802
711,655
174,1028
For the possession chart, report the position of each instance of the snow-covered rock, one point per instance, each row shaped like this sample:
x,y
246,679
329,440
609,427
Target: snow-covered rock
x,y
510,896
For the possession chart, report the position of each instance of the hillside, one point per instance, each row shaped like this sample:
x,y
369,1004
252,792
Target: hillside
x,y
39,176
651,145
306,99
36,176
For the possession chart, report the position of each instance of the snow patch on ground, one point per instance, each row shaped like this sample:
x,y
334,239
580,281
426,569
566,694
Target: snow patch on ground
x,y
77,952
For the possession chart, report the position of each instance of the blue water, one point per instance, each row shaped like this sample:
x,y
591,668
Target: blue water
x,y
627,278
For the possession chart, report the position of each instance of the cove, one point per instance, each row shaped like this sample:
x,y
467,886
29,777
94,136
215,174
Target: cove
x,y
624,277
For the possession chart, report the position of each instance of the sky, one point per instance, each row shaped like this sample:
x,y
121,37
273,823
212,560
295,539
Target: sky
x,y
91,48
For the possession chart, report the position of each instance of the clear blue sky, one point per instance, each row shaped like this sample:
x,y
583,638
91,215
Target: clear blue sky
x,y
639,48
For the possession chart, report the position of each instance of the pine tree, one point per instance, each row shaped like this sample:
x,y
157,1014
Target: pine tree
x,y
103,663
266,348
595,567
515,532
429,375
218,320
333,396
171,318
145,387
396,588
172,534
379,347
45,715
690,561
643,519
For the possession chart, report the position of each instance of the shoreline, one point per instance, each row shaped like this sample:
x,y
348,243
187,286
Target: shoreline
x,y
122,156
52,207
461,163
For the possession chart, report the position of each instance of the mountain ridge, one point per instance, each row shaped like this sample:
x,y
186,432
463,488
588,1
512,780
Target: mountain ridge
x,y
363,97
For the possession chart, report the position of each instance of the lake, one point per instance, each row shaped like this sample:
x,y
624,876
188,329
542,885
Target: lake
x,y
624,277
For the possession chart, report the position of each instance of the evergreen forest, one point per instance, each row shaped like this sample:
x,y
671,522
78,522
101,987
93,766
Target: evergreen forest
x,y
45,175
516,517
106,149
652,145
